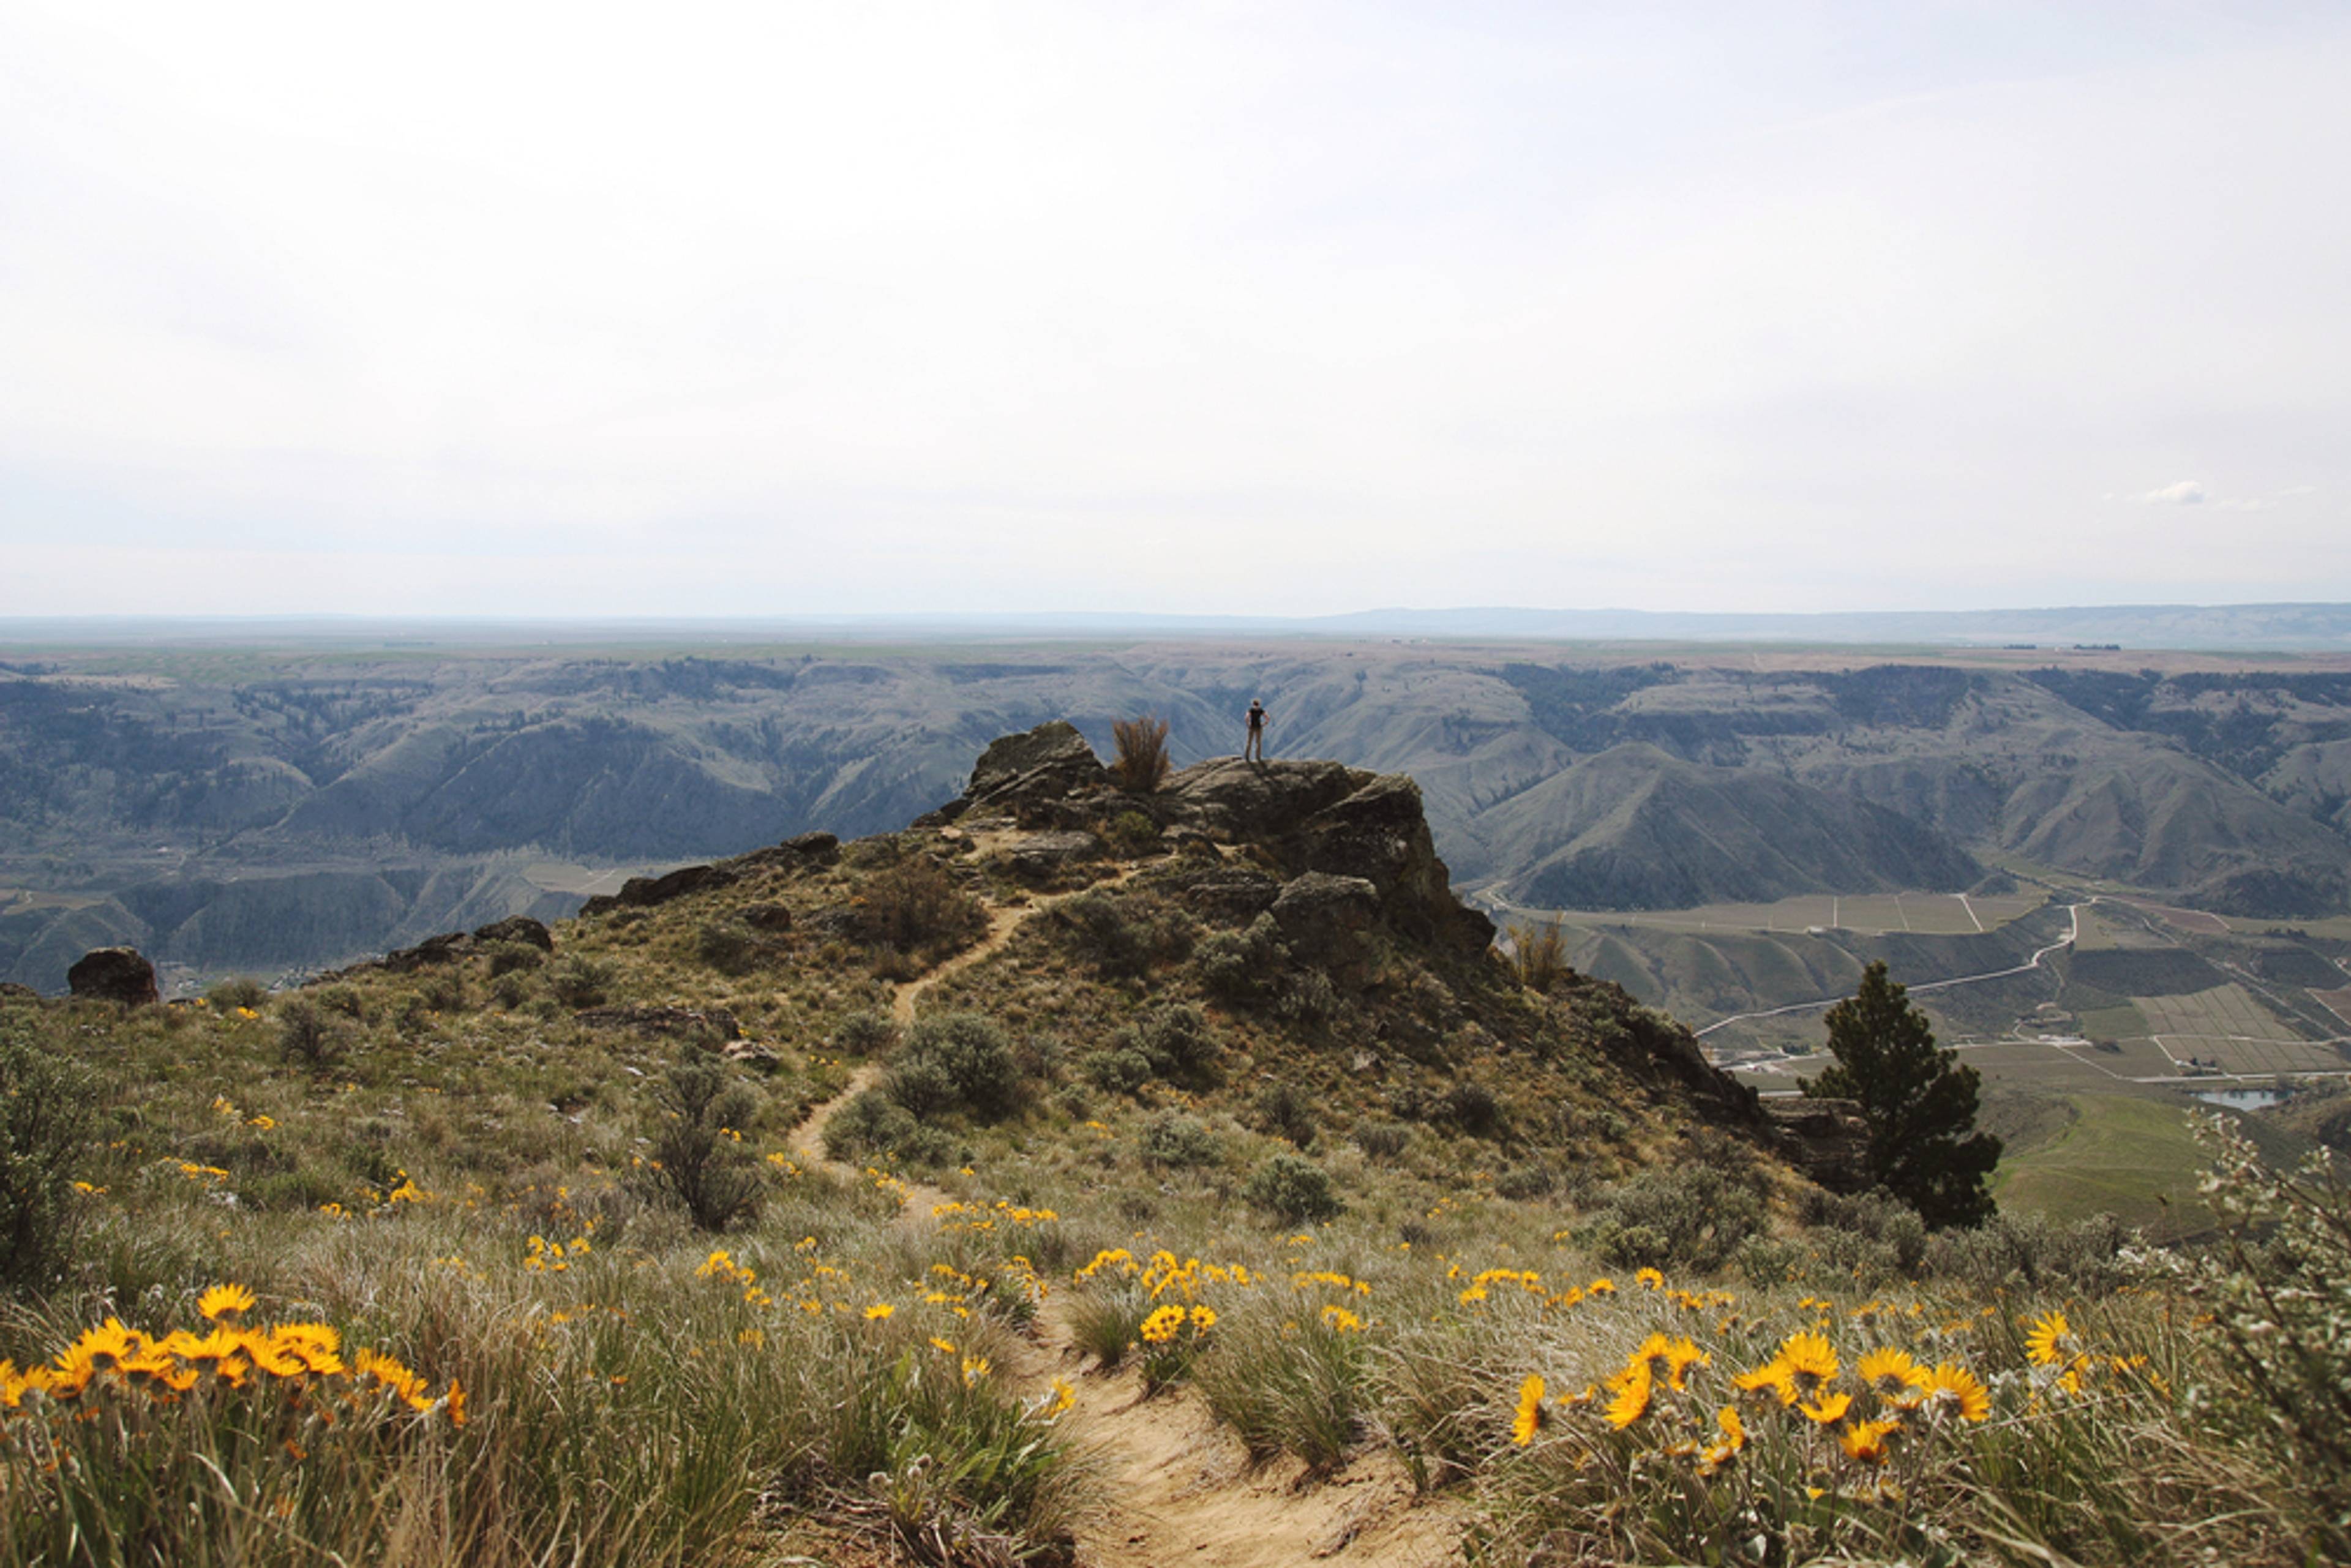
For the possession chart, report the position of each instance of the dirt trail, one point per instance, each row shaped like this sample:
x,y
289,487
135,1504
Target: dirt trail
x,y
1175,1486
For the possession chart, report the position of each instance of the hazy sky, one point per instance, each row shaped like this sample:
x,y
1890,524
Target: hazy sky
x,y
1247,308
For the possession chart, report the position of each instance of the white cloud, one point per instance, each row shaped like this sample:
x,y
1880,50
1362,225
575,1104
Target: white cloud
x,y
2178,492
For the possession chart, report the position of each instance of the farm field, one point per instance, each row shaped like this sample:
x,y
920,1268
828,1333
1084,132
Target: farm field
x,y
1926,914
2227,1025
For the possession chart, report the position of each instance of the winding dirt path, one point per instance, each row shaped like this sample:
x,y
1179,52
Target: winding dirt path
x,y
1175,1486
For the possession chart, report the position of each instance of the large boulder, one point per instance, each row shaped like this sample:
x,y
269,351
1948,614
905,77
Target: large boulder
x,y
518,928
114,975
1326,919
1044,857
1380,833
1027,774
1826,1139
448,947
644,892
1236,800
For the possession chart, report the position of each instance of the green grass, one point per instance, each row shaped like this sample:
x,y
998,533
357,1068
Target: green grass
x,y
2119,1154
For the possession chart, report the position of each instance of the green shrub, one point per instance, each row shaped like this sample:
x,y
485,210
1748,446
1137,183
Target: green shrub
x,y
237,991
1174,1139
1244,967
1308,996
1286,1111
343,1000
865,1033
1123,934
1175,1040
1117,1071
2280,1295
1472,1107
1524,1183
872,1125
698,1157
578,980
444,991
309,1037
1682,1218
1382,1140
915,906
1131,833
1296,1189
727,945
960,1059
46,1122
513,957
2032,1250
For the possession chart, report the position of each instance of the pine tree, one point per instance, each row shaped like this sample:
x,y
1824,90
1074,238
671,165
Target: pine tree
x,y
1920,1102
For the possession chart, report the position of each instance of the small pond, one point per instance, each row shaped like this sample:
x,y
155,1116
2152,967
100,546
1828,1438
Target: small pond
x,y
2244,1099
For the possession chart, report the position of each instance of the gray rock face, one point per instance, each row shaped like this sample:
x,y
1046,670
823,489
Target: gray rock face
x,y
1038,777
1327,817
114,975
1228,894
446,948
1040,857
517,928
644,892
1325,919
1826,1139
1259,800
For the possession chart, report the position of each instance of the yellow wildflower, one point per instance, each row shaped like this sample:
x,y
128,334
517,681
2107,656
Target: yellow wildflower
x,y
1953,1387
1162,1324
224,1301
1866,1440
2042,1344
1632,1388
1530,1418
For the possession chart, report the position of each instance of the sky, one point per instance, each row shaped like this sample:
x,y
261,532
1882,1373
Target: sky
x,y
1246,308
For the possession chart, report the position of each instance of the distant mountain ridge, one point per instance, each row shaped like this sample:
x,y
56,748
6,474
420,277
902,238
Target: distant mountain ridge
x,y
264,810
2284,627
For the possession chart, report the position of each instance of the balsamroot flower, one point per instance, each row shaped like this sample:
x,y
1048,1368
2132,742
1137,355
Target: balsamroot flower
x,y
224,1301
1530,1418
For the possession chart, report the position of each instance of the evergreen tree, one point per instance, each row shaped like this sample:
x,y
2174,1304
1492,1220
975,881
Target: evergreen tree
x,y
1920,1102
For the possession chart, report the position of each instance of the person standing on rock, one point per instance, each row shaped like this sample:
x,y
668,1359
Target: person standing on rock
x,y
1255,747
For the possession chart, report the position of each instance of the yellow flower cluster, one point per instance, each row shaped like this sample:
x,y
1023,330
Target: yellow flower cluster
x,y
1889,1394
545,1257
1165,1323
977,1216
303,1358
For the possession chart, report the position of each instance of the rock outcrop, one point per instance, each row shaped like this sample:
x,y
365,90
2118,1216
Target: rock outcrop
x,y
1342,822
1825,1139
114,975
644,892
1039,778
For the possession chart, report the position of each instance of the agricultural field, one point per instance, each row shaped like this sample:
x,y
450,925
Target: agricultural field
x,y
1927,914
2228,1027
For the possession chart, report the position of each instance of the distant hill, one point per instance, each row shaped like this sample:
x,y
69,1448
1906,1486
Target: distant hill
x,y
332,800
1637,828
